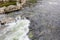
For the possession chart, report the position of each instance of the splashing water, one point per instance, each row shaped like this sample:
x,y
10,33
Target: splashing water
x,y
16,30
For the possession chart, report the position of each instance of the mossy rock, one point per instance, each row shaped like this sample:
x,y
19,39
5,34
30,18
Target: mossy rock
x,y
30,34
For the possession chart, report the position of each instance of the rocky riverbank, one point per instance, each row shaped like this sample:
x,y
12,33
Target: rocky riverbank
x,y
11,8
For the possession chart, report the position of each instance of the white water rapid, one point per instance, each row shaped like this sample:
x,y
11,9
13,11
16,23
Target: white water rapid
x,y
16,30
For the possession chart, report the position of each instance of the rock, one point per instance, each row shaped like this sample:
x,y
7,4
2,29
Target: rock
x,y
18,5
23,2
2,9
11,8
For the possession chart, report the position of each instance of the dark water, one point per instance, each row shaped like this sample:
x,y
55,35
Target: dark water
x,y
45,19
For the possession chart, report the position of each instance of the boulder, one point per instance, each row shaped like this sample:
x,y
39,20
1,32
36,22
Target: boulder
x,y
18,5
2,9
11,8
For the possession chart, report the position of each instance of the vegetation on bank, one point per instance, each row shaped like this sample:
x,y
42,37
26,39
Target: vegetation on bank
x,y
7,3
14,3
32,1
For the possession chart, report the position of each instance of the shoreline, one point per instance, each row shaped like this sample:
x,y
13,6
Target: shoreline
x,y
12,8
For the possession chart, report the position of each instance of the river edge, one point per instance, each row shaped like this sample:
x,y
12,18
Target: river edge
x,y
11,8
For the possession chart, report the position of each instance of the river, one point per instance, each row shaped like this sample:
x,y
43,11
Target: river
x,y
45,19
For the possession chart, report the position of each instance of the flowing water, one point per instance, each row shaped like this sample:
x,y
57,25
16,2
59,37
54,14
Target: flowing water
x,y
45,19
